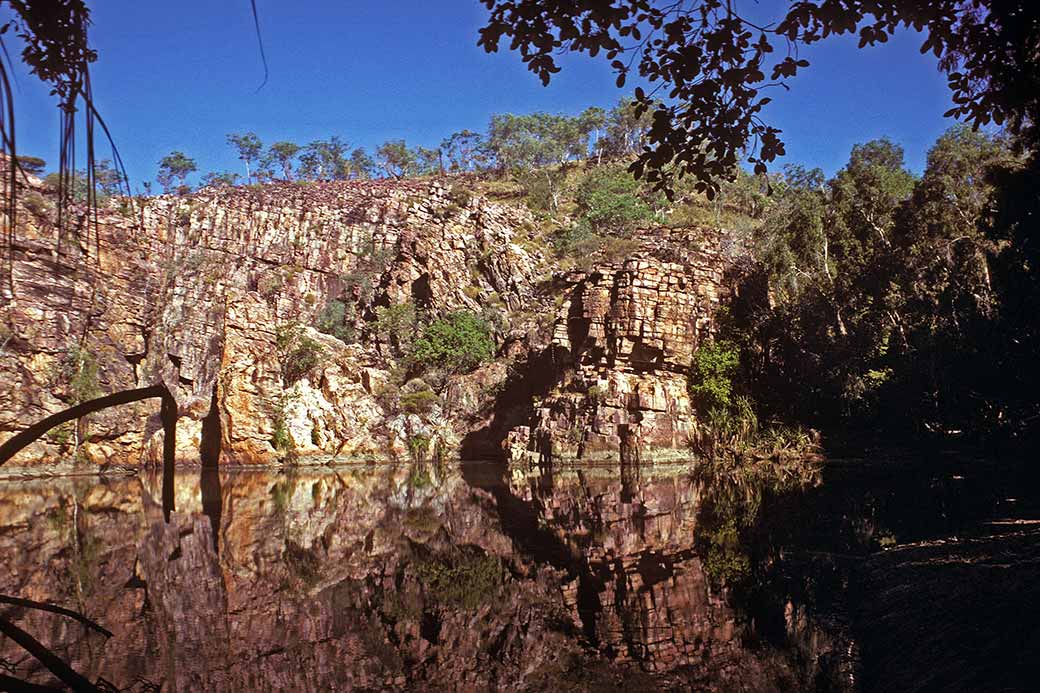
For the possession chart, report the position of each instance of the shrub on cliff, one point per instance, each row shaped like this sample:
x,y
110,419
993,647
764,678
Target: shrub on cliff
x,y
586,249
611,201
299,353
419,402
396,324
333,321
711,375
417,397
79,371
458,342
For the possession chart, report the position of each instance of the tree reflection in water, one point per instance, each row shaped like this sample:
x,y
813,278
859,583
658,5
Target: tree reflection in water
x,y
433,574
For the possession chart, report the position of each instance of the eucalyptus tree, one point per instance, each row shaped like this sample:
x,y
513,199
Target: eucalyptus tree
x,y
108,180
325,160
361,164
537,145
708,65
396,159
428,161
174,169
224,179
626,130
464,151
249,147
282,155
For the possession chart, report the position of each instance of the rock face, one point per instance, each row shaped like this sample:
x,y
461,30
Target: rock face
x,y
386,578
217,295
624,336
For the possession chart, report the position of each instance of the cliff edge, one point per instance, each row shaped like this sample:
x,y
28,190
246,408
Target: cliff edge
x,y
266,311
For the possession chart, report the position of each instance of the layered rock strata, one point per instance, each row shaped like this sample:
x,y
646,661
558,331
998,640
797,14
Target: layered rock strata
x,y
624,337
215,295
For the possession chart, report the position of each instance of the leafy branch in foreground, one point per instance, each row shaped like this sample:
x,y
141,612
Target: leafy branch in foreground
x,y
707,65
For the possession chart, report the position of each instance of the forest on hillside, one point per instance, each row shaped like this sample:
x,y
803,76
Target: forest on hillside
x,y
883,299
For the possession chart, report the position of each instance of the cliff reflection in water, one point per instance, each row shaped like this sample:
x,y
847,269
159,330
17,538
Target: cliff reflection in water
x,y
384,576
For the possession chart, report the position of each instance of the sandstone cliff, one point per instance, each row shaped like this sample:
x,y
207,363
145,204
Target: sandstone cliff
x,y
209,293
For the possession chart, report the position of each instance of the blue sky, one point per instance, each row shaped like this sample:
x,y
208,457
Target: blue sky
x,y
183,75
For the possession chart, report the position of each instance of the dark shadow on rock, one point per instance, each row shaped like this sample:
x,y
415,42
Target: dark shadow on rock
x,y
521,522
169,419
209,452
534,378
209,447
212,501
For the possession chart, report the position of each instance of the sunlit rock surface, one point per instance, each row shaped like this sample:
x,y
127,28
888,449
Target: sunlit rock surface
x,y
198,293
624,337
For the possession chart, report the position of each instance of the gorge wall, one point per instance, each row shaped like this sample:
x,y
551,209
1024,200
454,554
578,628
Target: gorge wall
x,y
212,294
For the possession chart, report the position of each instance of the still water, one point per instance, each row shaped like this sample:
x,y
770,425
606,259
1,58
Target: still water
x,y
483,577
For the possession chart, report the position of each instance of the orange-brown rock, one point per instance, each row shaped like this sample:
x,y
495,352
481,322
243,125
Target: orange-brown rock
x,y
623,340
207,293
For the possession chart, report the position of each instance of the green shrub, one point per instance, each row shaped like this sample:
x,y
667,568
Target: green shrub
x,y
464,583
584,246
495,318
728,425
610,201
711,375
420,402
361,281
458,342
576,240
332,321
614,249
62,435
281,439
125,207
281,494
270,284
79,369
596,394
732,428
460,196
418,446
36,203
303,358
725,560
396,324
84,566
299,353
543,187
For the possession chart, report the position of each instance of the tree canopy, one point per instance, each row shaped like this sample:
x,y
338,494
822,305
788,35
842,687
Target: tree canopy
x,y
174,168
249,147
396,159
709,65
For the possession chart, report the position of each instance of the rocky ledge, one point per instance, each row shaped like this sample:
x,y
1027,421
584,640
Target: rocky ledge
x,y
210,294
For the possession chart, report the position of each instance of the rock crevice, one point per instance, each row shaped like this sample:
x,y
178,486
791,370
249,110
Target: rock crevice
x,y
197,293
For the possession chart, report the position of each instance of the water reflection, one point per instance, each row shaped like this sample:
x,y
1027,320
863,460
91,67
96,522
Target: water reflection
x,y
471,577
